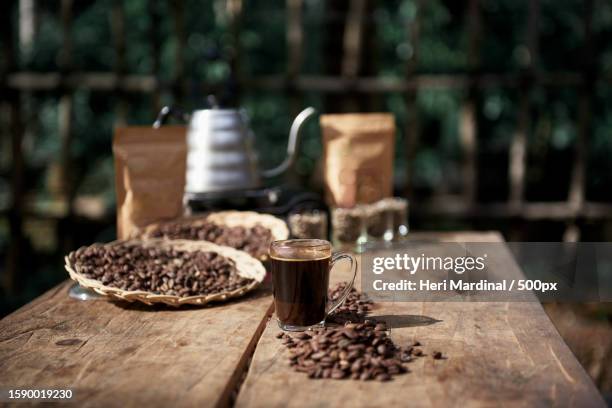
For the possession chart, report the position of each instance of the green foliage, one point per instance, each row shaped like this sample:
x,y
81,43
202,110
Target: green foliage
x,y
261,43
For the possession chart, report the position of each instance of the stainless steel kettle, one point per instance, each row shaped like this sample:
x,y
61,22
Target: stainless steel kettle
x,y
220,153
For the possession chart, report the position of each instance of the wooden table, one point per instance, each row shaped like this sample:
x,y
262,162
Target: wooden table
x,y
117,354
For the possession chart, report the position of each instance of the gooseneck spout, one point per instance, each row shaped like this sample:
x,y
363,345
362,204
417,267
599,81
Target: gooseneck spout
x,y
294,140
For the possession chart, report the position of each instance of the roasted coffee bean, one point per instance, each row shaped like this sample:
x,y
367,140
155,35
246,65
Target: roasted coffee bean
x,y
383,377
302,336
343,343
405,357
393,370
318,356
355,307
360,350
165,271
346,352
350,333
254,240
338,374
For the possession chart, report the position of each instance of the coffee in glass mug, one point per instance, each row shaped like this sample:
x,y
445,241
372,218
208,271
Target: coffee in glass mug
x,y
300,275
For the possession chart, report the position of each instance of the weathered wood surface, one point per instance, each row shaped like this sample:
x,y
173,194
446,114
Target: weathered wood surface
x,y
118,354
122,354
506,354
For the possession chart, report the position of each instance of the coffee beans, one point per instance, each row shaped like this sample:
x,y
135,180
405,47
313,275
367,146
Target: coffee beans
x,y
359,349
347,224
355,350
255,240
158,270
308,225
355,308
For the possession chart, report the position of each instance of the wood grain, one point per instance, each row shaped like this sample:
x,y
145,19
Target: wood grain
x,y
499,353
120,354
117,354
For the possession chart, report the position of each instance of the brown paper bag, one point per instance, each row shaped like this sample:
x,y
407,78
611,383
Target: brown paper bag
x,y
150,167
358,151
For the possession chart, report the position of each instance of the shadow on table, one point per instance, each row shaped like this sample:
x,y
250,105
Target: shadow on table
x,y
398,321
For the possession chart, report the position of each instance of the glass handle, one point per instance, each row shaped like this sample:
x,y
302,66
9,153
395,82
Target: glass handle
x,y
335,258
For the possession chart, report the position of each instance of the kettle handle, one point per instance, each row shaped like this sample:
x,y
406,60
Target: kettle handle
x,y
170,111
294,139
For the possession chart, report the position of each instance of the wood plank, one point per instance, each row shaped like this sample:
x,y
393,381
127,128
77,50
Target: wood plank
x,y
517,160
146,83
10,106
450,205
498,354
352,41
120,66
154,40
235,10
121,354
178,73
64,169
294,39
412,125
468,118
577,187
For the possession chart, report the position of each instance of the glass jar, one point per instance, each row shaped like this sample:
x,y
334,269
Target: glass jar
x,y
308,224
394,212
348,228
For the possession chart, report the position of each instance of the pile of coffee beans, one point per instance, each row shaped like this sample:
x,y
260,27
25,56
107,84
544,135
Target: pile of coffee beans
x,y
158,270
360,351
356,306
255,240
357,348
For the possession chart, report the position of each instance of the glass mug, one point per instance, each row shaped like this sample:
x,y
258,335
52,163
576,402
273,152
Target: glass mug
x,y
300,275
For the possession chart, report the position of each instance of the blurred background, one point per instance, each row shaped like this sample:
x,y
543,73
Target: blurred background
x,y
503,107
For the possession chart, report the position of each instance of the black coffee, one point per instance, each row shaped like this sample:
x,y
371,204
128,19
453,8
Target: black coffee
x,y
300,290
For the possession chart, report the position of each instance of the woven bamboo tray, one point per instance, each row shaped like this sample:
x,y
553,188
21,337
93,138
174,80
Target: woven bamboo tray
x,y
247,219
246,265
